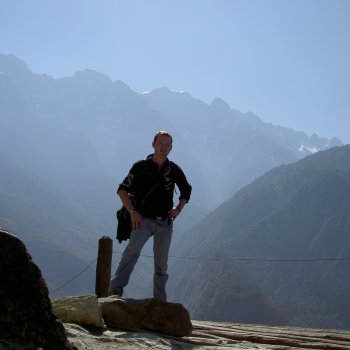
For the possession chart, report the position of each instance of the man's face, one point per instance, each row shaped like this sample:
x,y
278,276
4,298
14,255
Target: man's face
x,y
162,146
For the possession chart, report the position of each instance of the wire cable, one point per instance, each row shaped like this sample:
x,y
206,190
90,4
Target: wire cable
x,y
73,278
207,259
247,259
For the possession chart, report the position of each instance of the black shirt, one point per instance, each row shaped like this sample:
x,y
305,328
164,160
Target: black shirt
x,y
145,179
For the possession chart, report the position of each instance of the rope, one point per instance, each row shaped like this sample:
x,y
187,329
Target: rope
x,y
207,259
73,278
246,259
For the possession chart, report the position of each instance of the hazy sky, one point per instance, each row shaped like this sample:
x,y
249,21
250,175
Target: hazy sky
x,y
287,61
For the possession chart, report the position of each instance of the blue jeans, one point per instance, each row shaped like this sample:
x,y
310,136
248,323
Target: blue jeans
x,y
162,232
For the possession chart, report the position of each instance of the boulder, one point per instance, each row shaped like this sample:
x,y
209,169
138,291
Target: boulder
x,y
147,314
26,317
83,310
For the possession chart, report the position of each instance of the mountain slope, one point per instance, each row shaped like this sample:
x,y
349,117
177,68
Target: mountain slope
x,y
294,212
61,238
219,291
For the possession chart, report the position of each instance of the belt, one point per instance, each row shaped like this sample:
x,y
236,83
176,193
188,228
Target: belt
x,y
158,218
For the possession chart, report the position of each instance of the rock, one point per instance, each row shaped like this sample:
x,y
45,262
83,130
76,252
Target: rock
x,y
26,317
214,336
147,314
83,310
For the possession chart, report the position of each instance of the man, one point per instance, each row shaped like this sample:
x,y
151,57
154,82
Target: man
x,y
150,185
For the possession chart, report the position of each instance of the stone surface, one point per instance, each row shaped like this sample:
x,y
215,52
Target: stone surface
x,y
212,336
26,317
83,310
147,314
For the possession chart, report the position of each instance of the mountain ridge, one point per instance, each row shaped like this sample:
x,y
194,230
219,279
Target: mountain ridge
x,y
288,233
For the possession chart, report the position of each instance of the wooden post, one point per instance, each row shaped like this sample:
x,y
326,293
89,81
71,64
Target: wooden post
x,y
103,268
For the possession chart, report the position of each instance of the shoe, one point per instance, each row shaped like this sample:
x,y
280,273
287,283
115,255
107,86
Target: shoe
x,y
118,292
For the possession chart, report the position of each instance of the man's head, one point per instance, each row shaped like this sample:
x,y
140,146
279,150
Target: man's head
x,y
162,144
162,132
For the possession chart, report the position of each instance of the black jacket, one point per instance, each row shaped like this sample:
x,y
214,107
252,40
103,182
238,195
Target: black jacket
x,y
145,176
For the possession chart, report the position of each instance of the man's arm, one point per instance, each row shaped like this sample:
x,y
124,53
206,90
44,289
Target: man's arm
x,y
126,200
136,218
175,211
184,187
185,192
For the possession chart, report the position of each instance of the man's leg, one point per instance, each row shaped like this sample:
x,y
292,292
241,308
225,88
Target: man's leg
x,y
162,239
138,238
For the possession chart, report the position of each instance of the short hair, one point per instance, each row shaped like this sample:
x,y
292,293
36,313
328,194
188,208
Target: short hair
x,y
162,132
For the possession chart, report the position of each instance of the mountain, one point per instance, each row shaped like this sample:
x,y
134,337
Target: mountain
x,y
232,146
72,140
53,227
97,124
288,234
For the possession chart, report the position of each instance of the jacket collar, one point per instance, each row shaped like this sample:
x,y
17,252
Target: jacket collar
x,y
150,156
